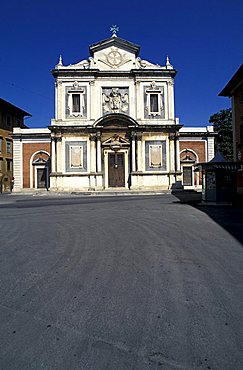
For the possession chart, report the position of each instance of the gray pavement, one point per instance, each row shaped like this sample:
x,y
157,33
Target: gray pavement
x,y
118,283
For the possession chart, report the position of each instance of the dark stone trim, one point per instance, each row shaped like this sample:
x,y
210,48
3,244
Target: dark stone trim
x,y
64,72
59,174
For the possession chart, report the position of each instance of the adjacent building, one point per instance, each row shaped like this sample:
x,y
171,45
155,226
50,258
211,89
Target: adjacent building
x,y
196,146
10,117
32,150
234,90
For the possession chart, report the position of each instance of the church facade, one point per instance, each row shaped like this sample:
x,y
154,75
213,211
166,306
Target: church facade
x,y
114,128
115,124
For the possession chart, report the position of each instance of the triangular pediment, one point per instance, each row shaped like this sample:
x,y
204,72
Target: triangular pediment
x,y
114,54
116,141
115,42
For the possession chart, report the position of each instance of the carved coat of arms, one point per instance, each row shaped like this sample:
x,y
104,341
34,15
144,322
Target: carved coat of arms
x,y
115,101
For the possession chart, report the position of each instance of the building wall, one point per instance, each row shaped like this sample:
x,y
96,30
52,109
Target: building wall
x,y
28,151
197,146
237,112
6,159
31,148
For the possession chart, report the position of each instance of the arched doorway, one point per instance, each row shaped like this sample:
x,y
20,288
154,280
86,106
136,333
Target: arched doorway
x,y
188,159
39,170
117,150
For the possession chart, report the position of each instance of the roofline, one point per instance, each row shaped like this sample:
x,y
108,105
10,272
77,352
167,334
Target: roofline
x,y
233,83
114,40
12,106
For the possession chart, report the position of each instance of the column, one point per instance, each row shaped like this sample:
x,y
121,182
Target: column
x,y
58,100
170,97
133,151
53,154
92,139
177,152
59,154
92,106
98,148
18,162
172,152
139,153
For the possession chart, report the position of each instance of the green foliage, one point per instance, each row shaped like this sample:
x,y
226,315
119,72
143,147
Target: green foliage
x,y
222,123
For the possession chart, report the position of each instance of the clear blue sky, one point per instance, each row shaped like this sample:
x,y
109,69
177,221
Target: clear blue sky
x,y
202,37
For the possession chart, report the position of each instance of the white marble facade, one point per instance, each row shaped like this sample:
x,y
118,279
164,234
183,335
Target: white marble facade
x,y
114,124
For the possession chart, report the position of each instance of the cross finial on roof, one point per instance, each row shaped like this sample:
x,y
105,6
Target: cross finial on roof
x,y
114,29
60,61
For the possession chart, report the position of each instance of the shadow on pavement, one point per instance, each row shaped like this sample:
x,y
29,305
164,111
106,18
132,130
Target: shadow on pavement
x,y
227,216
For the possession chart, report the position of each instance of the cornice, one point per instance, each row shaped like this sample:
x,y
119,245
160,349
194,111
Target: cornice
x,y
99,73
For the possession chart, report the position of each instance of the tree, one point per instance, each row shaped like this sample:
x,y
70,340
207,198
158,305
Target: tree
x,y
222,123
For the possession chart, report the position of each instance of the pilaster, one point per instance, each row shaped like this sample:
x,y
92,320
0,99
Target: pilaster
x,y
92,139
139,153
59,154
59,100
170,96
18,165
133,137
98,149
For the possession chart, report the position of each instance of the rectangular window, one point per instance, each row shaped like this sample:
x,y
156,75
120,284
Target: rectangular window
x,y
1,144
76,156
76,103
9,165
155,155
154,103
1,165
9,147
241,97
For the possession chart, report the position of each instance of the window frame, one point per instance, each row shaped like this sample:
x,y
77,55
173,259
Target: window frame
x,y
154,90
8,165
81,93
9,147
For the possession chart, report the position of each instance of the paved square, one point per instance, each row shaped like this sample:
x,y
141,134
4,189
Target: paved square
x,y
118,283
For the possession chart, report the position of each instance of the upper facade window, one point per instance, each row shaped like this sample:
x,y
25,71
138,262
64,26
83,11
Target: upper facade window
x,y
154,101
8,147
76,101
1,144
76,107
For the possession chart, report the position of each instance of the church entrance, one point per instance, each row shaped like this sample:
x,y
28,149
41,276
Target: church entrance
x,y
41,177
116,170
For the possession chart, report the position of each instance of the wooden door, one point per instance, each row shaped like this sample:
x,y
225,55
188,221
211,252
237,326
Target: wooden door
x,y
116,170
187,175
41,177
